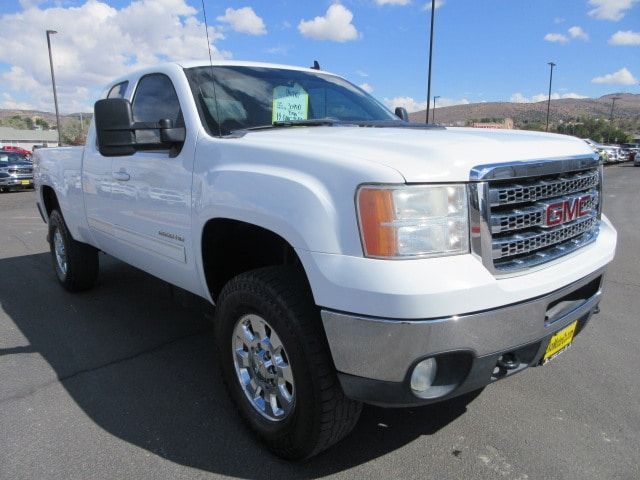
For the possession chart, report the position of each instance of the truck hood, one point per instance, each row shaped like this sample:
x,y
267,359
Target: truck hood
x,y
430,155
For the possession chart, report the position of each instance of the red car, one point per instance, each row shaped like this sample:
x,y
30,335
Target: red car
x,y
18,150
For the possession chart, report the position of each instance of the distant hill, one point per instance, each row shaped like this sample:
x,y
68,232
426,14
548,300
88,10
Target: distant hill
x,y
627,108
50,117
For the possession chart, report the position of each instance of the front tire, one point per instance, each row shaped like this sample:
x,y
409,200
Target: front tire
x,y
76,264
275,362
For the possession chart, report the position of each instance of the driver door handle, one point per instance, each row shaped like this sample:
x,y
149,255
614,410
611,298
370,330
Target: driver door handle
x,y
121,176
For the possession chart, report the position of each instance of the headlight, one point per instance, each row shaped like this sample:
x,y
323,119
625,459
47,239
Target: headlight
x,y
413,221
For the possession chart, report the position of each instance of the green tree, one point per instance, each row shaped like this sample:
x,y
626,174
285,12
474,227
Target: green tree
x,y
41,122
72,132
17,121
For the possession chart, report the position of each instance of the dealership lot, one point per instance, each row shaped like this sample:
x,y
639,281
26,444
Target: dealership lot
x,y
121,382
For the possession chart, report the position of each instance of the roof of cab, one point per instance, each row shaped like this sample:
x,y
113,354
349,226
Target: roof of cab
x,y
205,63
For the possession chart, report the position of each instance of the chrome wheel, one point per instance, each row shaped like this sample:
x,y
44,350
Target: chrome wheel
x,y
262,367
60,251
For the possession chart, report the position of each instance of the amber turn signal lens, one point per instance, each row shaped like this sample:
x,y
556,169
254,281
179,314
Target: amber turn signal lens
x,y
376,213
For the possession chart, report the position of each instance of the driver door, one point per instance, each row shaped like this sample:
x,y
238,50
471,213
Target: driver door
x,y
151,191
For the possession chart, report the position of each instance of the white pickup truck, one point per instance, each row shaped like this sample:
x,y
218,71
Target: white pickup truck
x,y
352,256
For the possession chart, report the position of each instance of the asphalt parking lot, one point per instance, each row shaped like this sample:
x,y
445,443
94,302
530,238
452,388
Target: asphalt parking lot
x,y
121,382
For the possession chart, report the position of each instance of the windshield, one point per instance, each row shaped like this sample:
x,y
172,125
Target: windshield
x,y
10,157
249,97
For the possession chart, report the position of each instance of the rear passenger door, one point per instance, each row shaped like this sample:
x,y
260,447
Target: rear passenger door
x,y
151,191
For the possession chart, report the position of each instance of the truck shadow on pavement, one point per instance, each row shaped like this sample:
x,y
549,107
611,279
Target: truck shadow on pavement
x,y
141,364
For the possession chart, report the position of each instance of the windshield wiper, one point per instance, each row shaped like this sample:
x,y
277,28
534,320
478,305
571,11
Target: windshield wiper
x,y
311,122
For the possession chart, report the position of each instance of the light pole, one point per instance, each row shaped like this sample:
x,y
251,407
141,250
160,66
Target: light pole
x,y
551,64
53,81
434,107
433,16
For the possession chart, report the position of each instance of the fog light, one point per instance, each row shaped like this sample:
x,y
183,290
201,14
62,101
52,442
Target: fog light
x,y
423,375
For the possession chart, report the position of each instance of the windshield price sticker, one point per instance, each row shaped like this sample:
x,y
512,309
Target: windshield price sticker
x,y
290,103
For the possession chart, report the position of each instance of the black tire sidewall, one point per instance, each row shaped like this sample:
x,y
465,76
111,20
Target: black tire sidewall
x,y
82,259
298,428
56,224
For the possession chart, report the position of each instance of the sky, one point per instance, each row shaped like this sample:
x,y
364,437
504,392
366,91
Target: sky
x,y
484,50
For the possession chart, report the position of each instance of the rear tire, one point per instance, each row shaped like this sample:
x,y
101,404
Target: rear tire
x,y
76,264
314,414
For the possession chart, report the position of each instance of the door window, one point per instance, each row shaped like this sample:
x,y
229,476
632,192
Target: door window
x,y
118,90
155,100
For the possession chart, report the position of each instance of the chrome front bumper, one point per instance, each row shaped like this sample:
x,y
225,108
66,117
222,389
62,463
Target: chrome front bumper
x,y
15,182
385,350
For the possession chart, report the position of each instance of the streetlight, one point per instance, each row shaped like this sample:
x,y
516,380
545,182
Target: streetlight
x,y
433,15
53,81
434,107
551,64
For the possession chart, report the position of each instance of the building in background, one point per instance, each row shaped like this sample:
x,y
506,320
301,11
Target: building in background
x,y
27,138
506,124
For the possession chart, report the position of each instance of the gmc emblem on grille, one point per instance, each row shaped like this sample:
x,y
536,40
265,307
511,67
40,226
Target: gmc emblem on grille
x,y
567,210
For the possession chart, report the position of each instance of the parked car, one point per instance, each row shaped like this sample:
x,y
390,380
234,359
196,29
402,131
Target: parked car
x,y
18,150
16,171
352,256
633,150
609,153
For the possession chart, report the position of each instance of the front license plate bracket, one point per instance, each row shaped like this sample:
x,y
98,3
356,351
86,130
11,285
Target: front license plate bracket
x,y
559,342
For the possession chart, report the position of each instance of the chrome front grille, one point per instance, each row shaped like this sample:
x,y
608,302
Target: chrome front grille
x,y
531,216
541,189
21,170
532,240
510,211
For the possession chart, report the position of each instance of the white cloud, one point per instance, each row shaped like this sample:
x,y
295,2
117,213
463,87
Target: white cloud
x,y
626,37
558,20
427,6
541,97
621,77
362,73
578,33
366,87
413,105
393,2
556,37
335,25
244,20
9,102
610,9
96,43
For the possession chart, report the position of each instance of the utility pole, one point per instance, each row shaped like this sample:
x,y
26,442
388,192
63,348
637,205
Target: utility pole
x,y
434,107
433,16
613,104
53,81
551,64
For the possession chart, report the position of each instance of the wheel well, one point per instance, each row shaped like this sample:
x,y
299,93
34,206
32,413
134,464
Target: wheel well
x,y
231,247
50,199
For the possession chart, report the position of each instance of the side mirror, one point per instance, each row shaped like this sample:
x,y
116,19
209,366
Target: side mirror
x,y
114,127
401,113
170,134
118,134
